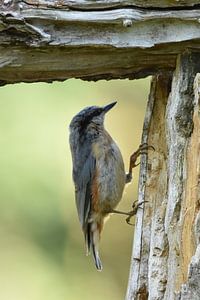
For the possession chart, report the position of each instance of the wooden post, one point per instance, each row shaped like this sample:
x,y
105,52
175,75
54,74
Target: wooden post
x,y
164,258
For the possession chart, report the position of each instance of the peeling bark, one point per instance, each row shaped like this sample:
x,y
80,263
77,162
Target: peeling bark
x,y
104,4
190,288
153,189
170,222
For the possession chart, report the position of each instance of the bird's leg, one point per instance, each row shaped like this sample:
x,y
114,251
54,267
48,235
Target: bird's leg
x,y
134,211
131,213
143,148
133,159
114,211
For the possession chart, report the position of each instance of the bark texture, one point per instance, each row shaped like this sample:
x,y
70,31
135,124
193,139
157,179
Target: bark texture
x,y
47,40
102,4
166,263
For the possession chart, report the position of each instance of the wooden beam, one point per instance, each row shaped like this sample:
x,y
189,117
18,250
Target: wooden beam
x,y
105,4
47,40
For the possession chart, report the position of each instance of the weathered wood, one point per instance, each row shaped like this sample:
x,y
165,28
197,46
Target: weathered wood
x,y
170,227
56,40
104,4
152,189
139,239
190,289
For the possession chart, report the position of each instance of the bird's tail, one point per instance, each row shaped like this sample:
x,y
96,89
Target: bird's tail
x,y
92,237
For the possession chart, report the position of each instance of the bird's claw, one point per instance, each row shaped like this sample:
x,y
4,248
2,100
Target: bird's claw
x,y
128,219
143,149
134,211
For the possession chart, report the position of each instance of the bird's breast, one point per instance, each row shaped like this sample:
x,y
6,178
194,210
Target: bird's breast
x,y
110,179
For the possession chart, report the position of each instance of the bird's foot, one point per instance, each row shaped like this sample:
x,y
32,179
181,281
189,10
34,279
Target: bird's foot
x,y
133,212
143,149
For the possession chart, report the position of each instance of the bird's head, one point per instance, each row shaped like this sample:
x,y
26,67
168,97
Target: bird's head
x,y
92,115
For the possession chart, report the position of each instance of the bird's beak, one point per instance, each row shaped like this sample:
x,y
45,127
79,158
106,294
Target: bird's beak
x,y
109,106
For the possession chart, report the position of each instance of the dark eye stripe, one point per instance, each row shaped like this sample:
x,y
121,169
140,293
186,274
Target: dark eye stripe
x,y
85,121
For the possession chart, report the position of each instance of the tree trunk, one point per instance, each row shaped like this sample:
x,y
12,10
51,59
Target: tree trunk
x,y
166,251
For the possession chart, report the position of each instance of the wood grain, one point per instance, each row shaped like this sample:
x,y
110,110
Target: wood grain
x,y
56,40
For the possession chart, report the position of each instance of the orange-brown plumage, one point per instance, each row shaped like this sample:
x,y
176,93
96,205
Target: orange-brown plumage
x,y
95,193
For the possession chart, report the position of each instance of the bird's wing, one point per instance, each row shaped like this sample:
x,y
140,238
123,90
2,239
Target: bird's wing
x,y
83,174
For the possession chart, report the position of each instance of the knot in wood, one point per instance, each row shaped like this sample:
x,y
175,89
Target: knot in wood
x,y
7,2
127,23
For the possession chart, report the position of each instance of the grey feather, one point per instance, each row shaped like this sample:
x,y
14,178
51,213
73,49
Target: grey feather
x,y
83,189
83,171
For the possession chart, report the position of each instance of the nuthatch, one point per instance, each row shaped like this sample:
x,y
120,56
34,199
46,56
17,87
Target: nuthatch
x,y
98,173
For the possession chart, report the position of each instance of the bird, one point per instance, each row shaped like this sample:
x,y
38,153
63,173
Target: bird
x,y
98,173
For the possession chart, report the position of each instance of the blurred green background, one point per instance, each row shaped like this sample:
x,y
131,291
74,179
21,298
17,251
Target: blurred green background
x,y
42,253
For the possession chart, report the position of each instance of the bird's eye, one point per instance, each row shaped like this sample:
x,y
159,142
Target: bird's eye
x,y
96,113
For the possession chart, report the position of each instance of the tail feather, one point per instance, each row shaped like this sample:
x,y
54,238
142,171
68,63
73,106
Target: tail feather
x,y
88,238
97,259
92,236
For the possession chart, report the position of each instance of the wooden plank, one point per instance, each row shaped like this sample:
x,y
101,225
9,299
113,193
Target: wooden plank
x,y
190,279
140,232
105,4
149,238
43,43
